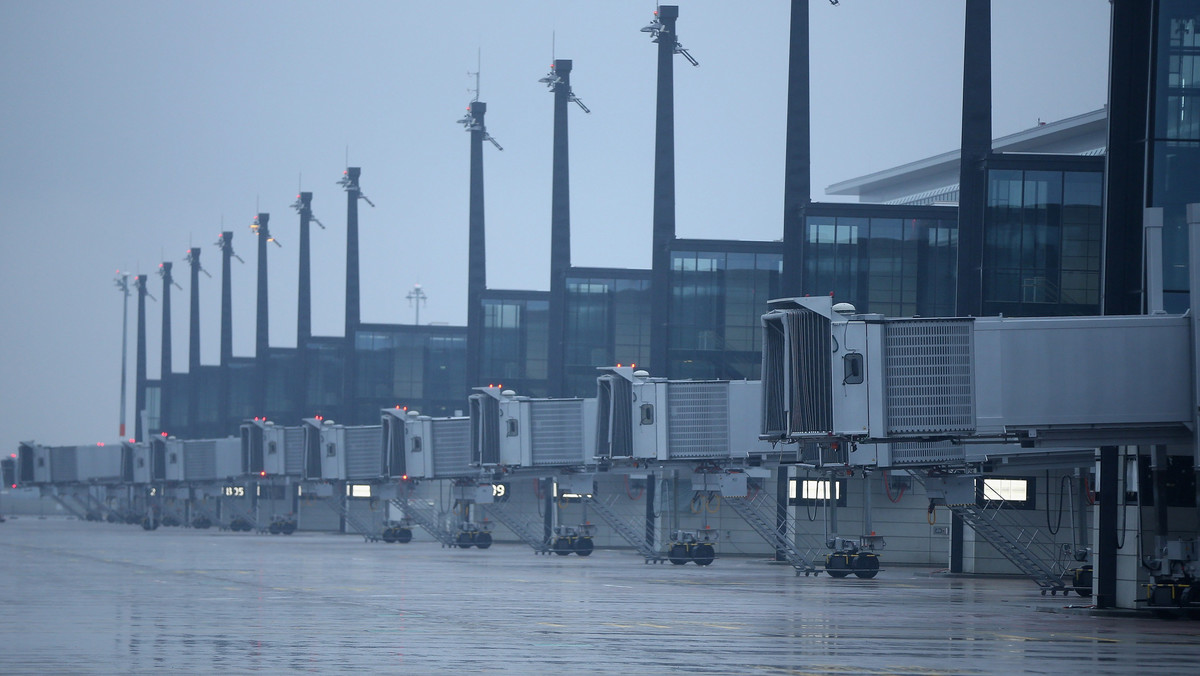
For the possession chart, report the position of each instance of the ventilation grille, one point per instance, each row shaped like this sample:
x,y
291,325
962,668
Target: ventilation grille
x,y
364,454
293,449
451,452
697,420
929,379
557,435
614,425
63,464
924,454
200,460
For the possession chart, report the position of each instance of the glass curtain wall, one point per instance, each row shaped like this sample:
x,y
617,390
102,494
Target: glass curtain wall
x,y
717,302
1042,243
898,267
421,368
608,322
1175,133
515,334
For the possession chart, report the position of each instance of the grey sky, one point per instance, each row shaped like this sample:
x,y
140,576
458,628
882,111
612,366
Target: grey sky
x,y
130,129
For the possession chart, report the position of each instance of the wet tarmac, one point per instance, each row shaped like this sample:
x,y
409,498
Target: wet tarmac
x,y
102,598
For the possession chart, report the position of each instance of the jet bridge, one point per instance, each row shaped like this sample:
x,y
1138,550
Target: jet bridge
x,y
1049,383
644,419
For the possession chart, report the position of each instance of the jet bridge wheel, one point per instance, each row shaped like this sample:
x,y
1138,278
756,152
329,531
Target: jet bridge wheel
x,y
562,546
678,554
866,565
149,524
388,534
483,540
837,564
464,540
201,522
584,546
703,554
403,535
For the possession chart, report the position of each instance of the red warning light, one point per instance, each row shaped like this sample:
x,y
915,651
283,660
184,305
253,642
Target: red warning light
x,y
163,434
131,440
262,473
100,443
403,477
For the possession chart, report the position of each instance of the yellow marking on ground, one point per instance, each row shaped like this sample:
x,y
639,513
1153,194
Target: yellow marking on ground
x,y
718,626
551,624
653,626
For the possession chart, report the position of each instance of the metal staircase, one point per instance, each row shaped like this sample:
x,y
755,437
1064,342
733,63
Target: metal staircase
x,y
427,519
73,509
782,539
625,530
339,504
1026,547
236,511
102,507
529,533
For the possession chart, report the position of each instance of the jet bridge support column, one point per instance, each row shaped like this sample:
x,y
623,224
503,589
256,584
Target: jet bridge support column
x,y
781,507
547,509
1193,220
651,521
1106,539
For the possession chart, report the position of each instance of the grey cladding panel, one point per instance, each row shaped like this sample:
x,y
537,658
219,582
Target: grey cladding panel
x,y
451,452
293,448
698,420
557,437
64,464
928,371
200,460
364,452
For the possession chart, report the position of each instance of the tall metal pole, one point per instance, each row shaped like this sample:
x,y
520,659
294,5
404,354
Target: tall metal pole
x,y
123,286
664,191
797,181
139,387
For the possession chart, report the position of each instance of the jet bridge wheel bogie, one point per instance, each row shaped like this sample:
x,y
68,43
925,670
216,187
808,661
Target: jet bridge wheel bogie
x,y
703,554
679,554
838,564
866,565
584,546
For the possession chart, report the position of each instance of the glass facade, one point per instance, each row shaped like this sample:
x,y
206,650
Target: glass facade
x,y
892,262
718,296
516,332
422,368
607,322
1043,231
1175,133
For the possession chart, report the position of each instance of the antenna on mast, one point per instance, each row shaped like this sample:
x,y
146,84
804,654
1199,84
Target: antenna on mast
x,y
351,184
193,260
298,205
656,29
165,273
553,81
224,245
469,121
262,230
